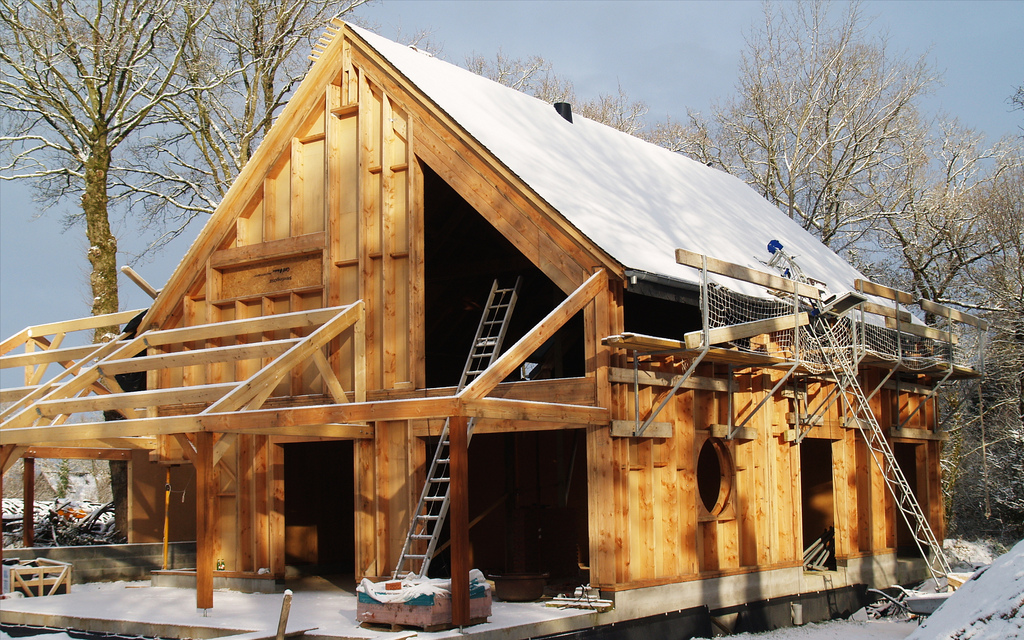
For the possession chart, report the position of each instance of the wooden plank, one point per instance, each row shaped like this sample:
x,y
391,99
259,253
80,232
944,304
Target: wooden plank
x,y
723,431
67,326
66,354
875,289
919,434
746,274
641,342
274,249
529,343
887,312
206,498
718,335
949,312
923,331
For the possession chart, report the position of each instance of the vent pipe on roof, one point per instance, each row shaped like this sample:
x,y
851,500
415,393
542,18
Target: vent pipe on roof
x,y
564,109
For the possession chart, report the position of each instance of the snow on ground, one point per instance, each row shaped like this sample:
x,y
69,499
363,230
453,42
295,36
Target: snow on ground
x,y
988,607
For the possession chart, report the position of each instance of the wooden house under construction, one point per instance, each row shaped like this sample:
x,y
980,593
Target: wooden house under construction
x,y
675,416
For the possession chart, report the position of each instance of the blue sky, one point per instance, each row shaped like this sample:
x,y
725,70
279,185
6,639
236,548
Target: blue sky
x,y
672,55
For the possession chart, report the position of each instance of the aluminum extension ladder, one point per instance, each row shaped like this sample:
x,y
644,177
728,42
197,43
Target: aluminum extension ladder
x,y
425,528
842,361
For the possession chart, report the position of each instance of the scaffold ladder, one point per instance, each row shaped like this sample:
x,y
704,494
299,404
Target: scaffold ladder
x,y
842,360
427,521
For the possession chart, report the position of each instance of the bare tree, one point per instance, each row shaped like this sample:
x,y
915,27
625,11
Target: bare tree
x,y
819,109
535,76
934,224
241,66
77,80
987,450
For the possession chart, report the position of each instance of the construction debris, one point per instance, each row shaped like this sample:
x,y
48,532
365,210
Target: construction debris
x,y
61,523
585,597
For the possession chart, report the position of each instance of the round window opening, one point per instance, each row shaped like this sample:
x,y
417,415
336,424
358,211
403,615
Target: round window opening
x,y
713,476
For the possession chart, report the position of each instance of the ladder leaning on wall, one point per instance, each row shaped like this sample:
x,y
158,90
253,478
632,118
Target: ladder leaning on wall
x,y
427,520
843,359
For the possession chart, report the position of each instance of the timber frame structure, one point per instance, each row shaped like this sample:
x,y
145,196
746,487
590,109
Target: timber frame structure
x,y
306,350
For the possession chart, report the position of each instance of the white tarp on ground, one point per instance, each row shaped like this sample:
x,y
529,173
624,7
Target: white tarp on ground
x,y
637,201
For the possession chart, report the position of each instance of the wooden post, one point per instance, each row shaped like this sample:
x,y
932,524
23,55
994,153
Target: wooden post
x,y
286,607
28,521
206,496
459,518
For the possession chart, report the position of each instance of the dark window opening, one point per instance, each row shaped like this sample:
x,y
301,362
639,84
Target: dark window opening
x,y
319,520
659,317
817,500
463,254
714,476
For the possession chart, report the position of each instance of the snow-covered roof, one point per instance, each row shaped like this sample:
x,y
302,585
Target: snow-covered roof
x,y
637,201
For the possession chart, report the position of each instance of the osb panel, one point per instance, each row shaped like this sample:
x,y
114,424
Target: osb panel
x,y
272,276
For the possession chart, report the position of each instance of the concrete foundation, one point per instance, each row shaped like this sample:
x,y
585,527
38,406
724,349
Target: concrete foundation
x,y
108,563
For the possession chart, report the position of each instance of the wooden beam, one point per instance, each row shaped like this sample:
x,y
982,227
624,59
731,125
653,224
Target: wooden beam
x,y
17,415
351,413
504,409
246,326
887,312
99,430
663,379
459,518
723,431
746,274
143,442
9,454
135,399
28,485
230,353
320,431
882,291
66,354
718,335
140,281
269,376
76,453
66,326
919,434
627,429
517,353
331,381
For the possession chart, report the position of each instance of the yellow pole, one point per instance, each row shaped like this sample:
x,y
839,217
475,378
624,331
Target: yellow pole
x,y
167,509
